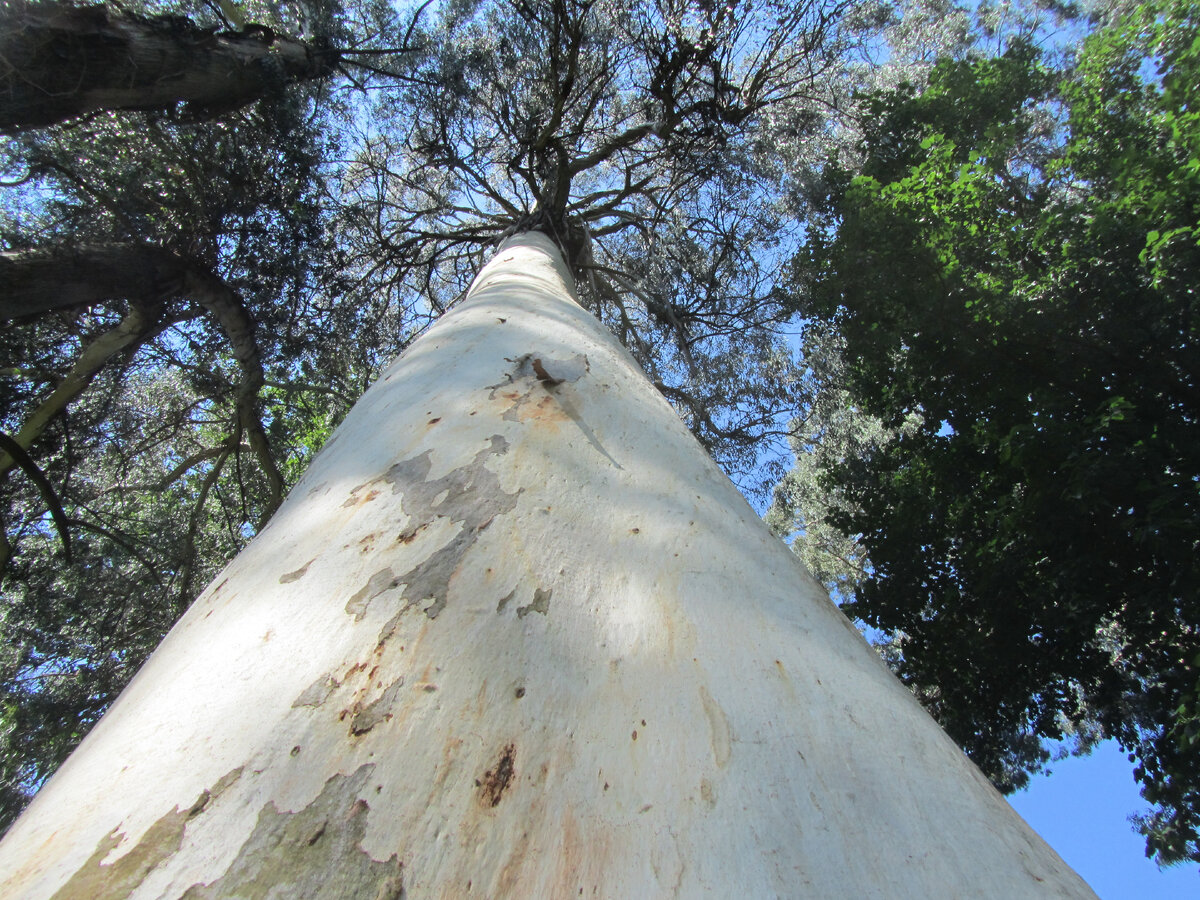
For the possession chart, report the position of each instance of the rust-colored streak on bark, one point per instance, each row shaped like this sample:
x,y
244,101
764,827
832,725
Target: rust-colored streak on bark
x,y
545,411
496,780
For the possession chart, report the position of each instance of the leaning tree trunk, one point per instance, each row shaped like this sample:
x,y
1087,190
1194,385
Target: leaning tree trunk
x,y
515,635
59,61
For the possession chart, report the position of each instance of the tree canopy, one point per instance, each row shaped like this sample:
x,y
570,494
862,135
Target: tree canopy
x,y
1012,271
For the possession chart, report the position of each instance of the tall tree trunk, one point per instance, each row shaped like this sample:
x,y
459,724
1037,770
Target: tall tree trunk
x,y
59,61
515,635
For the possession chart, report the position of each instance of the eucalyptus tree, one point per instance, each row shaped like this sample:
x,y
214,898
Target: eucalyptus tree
x,y
169,252
436,670
646,138
516,693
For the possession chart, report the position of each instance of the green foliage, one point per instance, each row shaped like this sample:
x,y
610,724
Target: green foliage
x,y
151,460
807,504
1016,266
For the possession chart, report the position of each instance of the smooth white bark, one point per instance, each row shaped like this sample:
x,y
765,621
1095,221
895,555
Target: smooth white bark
x,y
515,635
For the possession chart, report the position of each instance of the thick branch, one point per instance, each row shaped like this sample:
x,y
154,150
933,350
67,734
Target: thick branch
x,y
17,453
215,296
33,282
129,332
59,61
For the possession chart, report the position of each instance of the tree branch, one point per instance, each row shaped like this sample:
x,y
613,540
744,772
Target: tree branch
x,y
59,61
34,282
17,453
216,296
131,331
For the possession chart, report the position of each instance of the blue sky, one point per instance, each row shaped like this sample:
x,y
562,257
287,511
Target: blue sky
x,y
1082,810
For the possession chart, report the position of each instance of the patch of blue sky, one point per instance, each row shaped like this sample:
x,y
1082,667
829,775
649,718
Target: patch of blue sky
x,y
1082,810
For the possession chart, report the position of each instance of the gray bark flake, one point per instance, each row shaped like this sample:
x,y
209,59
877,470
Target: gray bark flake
x,y
313,853
540,604
378,710
297,575
316,693
469,496
505,600
96,880
381,581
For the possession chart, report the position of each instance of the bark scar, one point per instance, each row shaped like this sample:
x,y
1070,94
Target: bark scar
x,y
496,780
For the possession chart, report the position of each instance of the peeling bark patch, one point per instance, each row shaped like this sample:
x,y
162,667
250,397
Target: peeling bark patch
x,y
408,478
298,574
531,370
316,693
505,600
496,780
469,496
540,604
96,880
430,580
313,853
548,371
553,372
377,711
550,404
381,581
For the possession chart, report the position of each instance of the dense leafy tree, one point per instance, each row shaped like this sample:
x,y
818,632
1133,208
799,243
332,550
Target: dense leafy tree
x,y
1013,274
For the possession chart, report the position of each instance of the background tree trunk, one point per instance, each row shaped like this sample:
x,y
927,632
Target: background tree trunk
x,y
515,634
35,282
58,61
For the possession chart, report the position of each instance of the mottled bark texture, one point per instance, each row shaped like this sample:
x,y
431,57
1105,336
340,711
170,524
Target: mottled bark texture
x,y
59,61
